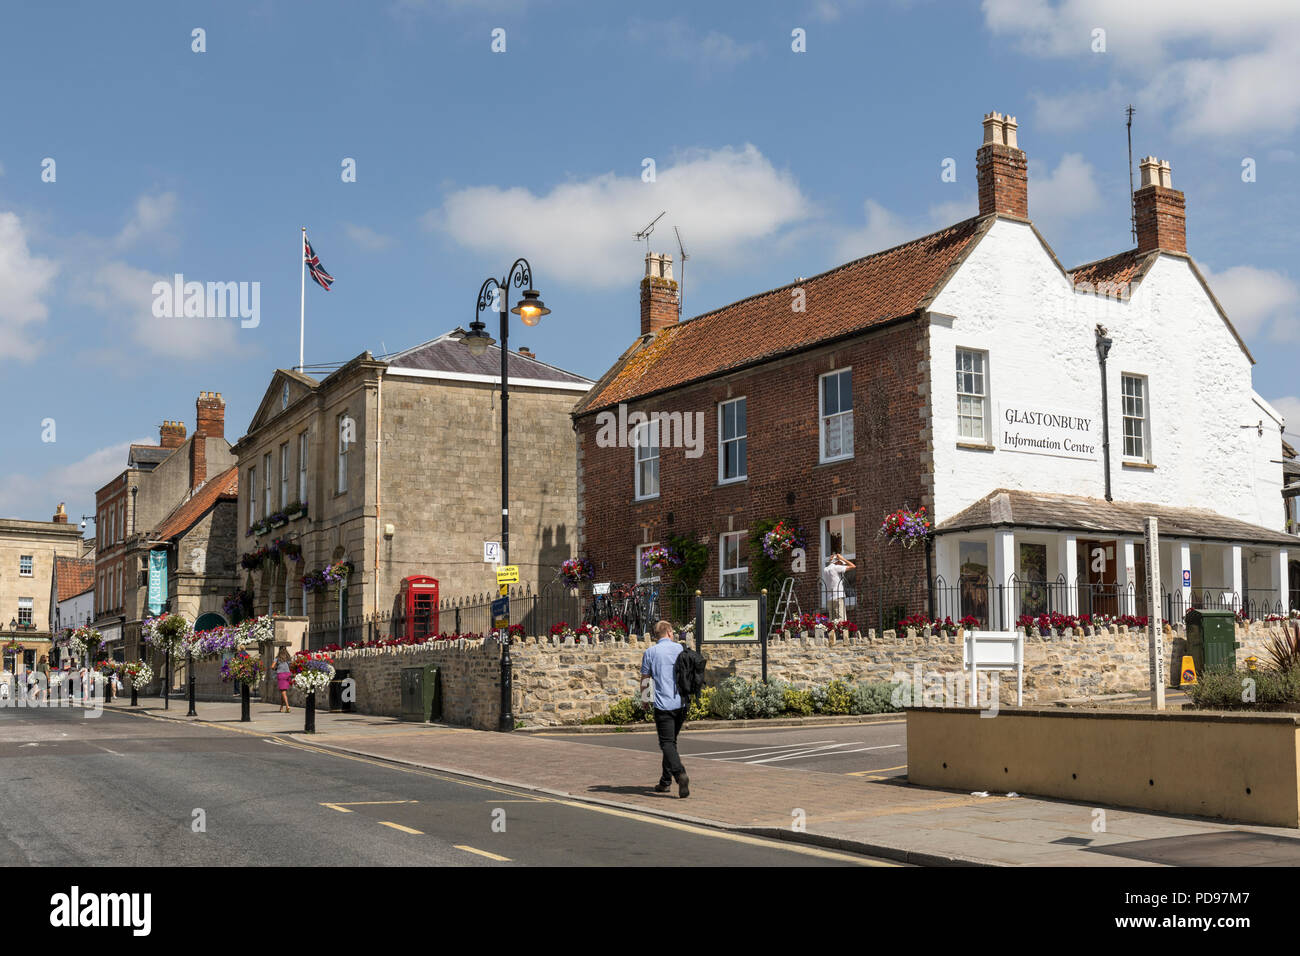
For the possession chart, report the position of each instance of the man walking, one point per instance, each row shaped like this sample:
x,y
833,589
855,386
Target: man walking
x,y
657,666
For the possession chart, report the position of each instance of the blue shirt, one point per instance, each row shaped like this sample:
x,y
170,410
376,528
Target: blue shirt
x,y
658,663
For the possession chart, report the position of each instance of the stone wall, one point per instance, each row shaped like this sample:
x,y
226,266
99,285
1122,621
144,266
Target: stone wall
x,y
470,673
558,683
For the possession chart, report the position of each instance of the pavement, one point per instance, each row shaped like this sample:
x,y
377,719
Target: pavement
x,y
877,814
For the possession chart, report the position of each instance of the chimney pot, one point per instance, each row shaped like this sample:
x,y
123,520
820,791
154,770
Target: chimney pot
x,y
1159,210
1001,170
659,294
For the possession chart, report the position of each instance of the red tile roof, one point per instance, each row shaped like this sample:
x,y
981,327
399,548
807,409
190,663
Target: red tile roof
x,y
851,298
224,487
75,576
1117,270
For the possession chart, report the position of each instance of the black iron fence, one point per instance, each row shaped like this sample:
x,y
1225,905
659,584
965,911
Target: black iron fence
x,y
883,604
636,607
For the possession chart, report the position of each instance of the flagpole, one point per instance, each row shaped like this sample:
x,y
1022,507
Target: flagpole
x,y
302,295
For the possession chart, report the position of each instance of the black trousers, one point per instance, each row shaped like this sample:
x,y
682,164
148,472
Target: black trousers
x,y
669,724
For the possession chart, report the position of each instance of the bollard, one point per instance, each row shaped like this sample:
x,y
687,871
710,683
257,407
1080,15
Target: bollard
x,y
189,667
244,704
310,727
135,701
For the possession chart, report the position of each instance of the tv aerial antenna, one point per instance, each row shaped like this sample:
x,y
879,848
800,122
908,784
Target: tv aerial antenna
x,y
681,283
1132,207
645,233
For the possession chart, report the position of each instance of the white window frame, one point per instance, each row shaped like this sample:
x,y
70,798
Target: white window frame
x,y
651,443
850,597
252,494
740,570
266,484
641,575
302,467
344,446
982,360
284,475
1144,418
30,562
840,415
30,609
742,437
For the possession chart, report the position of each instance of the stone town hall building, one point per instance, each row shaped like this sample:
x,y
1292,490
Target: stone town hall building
x,y
963,371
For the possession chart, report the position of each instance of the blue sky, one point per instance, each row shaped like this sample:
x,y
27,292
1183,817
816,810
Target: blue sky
x,y
772,163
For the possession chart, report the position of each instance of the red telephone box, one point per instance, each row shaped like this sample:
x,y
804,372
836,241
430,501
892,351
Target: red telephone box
x,y
420,602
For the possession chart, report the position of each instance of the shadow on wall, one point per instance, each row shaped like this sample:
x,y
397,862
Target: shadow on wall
x,y
554,551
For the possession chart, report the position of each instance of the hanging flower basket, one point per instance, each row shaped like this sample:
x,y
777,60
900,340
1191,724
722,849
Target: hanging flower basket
x,y
783,539
312,673
659,558
85,640
138,674
243,668
908,528
167,632
576,570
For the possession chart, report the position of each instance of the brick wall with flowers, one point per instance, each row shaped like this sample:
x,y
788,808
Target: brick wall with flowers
x,y
562,681
888,469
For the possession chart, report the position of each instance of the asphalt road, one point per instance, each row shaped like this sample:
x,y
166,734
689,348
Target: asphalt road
x,y
129,790
876,751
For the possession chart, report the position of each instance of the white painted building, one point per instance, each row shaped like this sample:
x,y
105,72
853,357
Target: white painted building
x,y
1022,488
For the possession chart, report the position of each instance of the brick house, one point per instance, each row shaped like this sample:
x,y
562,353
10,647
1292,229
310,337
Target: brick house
x,y
398,462
145,509
963,372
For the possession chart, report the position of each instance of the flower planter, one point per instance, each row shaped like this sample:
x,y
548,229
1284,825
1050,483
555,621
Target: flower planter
x,y
279,524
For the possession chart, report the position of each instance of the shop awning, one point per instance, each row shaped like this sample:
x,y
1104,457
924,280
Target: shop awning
x,y
1042,511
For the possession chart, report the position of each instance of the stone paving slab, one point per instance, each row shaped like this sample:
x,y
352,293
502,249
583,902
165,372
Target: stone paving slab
x,y
888,819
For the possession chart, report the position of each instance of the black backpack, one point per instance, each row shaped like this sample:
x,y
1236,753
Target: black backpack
x,y
688,673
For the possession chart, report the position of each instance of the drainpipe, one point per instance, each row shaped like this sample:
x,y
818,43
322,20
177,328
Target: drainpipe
x,y
1103,349
379,486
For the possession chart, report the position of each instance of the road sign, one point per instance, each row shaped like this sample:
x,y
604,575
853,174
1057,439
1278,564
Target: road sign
x,y
1187,578
508,574
492,552
503,590
501,612
600,588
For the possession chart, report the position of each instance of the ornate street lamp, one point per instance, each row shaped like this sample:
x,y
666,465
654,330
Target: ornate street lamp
x,y
494,295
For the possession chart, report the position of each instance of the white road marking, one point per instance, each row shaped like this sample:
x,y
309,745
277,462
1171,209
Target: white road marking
x,y
823,752
738,750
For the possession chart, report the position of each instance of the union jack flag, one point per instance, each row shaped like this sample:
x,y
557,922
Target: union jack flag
x,y
318,273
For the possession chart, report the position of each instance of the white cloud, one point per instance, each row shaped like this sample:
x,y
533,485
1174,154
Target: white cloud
x,y
1078,109
152,215
1218,68
1067,192
679,40
723,200
368,239
885,229
23,491
1260,302
24,285
123,295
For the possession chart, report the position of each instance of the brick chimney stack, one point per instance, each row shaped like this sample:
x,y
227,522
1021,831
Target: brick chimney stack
x,y
1001,169
659,308
60,516
210,422
210,415
171,434
1159,209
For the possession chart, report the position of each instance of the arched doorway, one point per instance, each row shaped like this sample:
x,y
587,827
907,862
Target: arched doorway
x,y
207,622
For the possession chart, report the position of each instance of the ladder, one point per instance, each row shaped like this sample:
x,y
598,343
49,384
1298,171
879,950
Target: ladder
x,y
784,603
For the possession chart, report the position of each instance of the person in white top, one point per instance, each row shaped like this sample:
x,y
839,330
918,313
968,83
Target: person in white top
x,y
833,584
